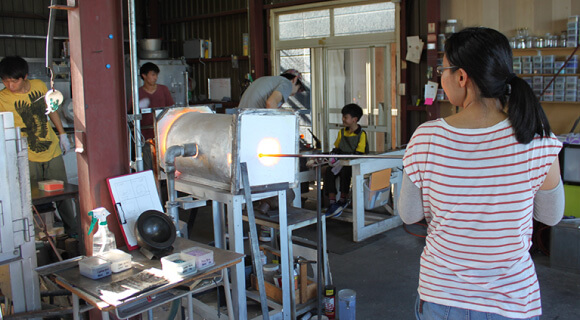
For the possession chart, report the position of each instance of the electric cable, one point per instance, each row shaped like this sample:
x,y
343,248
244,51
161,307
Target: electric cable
x,y
414,234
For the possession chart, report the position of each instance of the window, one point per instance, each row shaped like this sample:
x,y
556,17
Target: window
x,y
343,49
370,18
349,20
304,25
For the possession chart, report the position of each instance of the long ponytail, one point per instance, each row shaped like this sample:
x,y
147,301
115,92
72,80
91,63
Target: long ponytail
x,y
525,112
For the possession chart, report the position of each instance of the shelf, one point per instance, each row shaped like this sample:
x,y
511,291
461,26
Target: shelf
x,y
541,102
535,51
545,51
560,102
217,59
549,74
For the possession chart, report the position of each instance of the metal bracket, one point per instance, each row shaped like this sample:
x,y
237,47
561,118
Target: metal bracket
x,y
133,117
25,228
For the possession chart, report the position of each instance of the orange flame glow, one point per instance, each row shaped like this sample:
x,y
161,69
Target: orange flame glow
x,y
269,146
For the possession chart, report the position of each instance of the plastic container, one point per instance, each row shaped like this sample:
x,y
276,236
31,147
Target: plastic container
x,y
95,267
450,27
51,185
376,198
204,257
263,257
347,304
270,270
103,239
180,263
278,280
441,42
120,261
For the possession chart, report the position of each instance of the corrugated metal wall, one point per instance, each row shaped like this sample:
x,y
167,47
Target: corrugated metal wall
x,y
23,27
222,21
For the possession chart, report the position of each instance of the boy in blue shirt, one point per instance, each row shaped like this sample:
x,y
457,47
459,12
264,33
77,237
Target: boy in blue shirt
x,y
351,140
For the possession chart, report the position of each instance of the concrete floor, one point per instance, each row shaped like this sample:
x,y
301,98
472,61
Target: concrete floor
x,y
384,273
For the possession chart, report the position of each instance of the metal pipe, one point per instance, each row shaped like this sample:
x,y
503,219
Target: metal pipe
x,y
49,37
186,150
350,156
319,253
186,87
135,88
29,36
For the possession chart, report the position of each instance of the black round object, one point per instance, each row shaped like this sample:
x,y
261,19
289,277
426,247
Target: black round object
x,y
155,230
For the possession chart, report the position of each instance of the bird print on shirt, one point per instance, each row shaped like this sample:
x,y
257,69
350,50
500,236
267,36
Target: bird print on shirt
x,y
33,115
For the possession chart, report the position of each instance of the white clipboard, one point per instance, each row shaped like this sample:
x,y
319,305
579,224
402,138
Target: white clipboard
x,y
132,195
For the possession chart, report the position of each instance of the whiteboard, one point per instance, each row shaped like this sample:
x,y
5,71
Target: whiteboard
x,y
132,195
219,89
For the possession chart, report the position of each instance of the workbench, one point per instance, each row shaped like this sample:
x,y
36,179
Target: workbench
x,y
69,277
361,167
70,191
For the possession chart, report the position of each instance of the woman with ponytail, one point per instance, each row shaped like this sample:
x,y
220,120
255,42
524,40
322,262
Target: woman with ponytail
x,y
479,178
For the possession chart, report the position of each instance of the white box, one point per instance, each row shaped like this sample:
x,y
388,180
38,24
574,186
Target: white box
x,y
204,257
95,267
193,49
120,260
180,263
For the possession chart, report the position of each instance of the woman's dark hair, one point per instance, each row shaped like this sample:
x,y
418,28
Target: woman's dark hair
x,y
486,56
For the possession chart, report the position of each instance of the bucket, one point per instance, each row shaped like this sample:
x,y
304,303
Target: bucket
x,y
150,44
347,304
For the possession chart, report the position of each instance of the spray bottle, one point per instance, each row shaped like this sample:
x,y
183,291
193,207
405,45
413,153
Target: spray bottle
x,y
103,239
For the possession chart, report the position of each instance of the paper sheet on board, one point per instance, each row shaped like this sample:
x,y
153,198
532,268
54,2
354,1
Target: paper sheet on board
x,y
132,195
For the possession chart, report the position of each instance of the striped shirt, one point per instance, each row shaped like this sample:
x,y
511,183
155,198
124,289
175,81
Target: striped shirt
x,y
478,188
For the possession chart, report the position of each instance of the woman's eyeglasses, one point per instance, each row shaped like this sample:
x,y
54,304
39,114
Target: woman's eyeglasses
x,y
440,69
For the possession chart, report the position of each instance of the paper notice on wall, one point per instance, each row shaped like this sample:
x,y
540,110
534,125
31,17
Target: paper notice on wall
x,y
414,49
220,89
430,92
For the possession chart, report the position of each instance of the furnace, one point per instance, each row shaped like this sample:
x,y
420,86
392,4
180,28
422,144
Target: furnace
x,y
226,140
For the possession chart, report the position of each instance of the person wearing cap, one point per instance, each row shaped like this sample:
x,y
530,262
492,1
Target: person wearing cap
x,y
271,92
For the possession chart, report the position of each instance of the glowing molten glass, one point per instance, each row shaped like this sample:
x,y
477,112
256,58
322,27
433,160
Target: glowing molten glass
x,y
269,146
